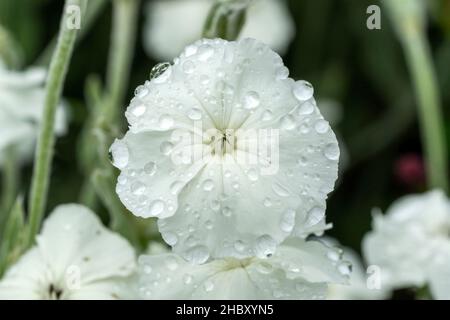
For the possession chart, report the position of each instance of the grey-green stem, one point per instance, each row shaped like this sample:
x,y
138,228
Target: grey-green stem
x,y
46,139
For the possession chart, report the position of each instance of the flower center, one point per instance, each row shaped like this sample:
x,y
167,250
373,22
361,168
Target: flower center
x,y
222,142
54,292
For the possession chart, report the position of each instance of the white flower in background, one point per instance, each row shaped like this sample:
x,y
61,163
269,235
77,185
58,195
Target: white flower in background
x,y
358,286
411,243
75,258
172,25
298,270
209,201
22,101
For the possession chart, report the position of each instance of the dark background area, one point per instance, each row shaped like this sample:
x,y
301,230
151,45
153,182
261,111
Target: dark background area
x,y
363,70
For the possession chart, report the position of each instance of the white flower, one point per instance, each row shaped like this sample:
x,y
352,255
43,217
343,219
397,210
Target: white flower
x,y
171,25
358,286
215,193
411,243
75,258
22,102
298,270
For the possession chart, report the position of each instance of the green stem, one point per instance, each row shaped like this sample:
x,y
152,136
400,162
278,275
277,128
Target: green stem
x,y
46,140
123,37
409,18
430,110
10,181
93,10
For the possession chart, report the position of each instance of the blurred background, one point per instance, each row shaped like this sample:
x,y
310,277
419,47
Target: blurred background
x,y
360,77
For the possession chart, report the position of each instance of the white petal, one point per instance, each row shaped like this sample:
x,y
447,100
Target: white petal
x,y
439,272
168,276
24,280
23,97
405,241
73,236
312,260
401,256
153,172
108,289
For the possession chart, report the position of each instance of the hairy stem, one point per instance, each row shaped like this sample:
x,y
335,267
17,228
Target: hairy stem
x,y
46,139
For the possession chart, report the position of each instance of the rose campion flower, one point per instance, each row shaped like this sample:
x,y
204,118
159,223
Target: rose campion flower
x,y
411,243
22,101
172,25
298,270
75,258
195,153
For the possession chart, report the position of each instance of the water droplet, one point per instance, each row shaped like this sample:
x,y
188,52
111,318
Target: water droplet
x,y
197,255
264,267
239,245
176,187
306,108
215,205
195,114
282,73
171,263
156,208
287,122
208,224
166,122
187,279
227,211
345,268
147,269
150,168
166,148
265,246
280,190
205,52
287,222
251,100
208,286
208,185
139,110
267,115
267,202
161,72
303,90
321,126
170,238
333,255
190,50
141,92
188,66
138,188
252,174
331,151
314,216
120,154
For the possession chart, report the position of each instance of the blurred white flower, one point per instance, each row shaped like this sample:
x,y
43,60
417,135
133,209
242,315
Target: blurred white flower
x,y
298,270
411,243
172,25
358,287
22,102
75,258
191,160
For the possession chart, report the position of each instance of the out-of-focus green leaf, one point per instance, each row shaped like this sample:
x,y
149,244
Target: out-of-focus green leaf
x,y
12,240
